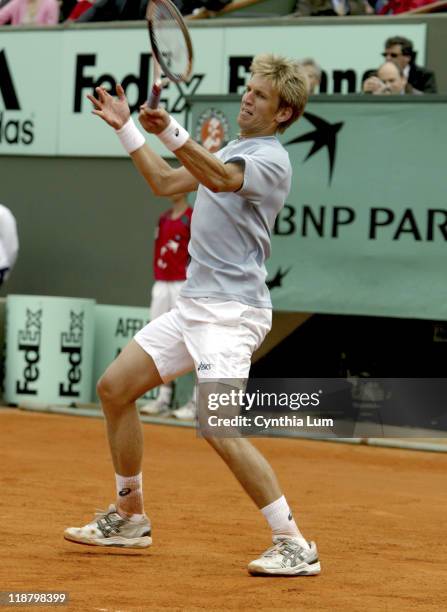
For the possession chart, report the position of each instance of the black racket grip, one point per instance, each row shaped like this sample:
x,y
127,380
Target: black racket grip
x,y
155,96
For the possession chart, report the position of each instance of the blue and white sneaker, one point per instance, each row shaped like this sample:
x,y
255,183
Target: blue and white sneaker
x,y
108,528
287,558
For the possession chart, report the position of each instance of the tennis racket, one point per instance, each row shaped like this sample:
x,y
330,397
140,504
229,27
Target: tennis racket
x,y
171,44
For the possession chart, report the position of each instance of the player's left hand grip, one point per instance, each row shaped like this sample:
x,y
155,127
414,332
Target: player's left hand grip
x,y
155,96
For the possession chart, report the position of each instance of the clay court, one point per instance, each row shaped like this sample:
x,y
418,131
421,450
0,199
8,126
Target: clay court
x,y
378,516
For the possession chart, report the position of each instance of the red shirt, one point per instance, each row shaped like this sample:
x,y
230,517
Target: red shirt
x,y
80,7
394,7
171,255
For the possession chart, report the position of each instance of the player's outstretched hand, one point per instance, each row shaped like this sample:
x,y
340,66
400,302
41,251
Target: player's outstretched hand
x,y
114,111
153,120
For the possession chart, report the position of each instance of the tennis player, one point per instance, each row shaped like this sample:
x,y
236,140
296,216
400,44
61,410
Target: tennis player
x,y
224,310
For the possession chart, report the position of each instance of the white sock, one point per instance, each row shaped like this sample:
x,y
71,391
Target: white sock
x,y
279,517
129,495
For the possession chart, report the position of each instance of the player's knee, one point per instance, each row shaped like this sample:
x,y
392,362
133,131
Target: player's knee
x,y
108,391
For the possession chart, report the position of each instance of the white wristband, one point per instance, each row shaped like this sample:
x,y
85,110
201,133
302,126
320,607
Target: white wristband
x,y
174,136
130,136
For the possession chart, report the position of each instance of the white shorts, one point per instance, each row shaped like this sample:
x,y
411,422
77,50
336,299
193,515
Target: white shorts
x,y
217,339
164,297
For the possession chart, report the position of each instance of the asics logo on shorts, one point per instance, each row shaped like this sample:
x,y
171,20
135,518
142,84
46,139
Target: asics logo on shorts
x,y
204,366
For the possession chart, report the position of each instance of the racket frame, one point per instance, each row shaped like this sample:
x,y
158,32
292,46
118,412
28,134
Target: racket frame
x,y
160,65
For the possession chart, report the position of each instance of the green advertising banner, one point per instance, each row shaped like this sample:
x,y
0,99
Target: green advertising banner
x,y
364,228
46,75
49,350
115,326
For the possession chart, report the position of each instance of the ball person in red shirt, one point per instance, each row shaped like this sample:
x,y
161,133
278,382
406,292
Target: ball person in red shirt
x,y
170,262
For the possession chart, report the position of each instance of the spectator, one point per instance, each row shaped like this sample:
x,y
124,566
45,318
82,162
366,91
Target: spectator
x,y
390,80
9,242
66,6
2,4
115,10
187,7
123,10
394,7
400,50
313,72
79,8
322,8
27,12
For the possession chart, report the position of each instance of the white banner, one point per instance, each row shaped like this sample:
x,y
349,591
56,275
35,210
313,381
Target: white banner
x,y
46,75
30,91
123,56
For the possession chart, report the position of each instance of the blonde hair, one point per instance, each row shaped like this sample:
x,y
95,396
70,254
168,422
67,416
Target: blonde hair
x,y
288,79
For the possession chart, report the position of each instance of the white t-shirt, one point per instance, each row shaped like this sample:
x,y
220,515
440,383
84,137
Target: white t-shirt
x,y
230,231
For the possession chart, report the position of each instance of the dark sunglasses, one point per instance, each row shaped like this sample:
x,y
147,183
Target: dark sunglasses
x,y
389,54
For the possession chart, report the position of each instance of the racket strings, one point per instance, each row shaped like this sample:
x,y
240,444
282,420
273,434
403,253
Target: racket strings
x,y
169,43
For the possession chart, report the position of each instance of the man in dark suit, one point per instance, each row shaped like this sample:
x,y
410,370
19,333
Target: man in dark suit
x,y
400,50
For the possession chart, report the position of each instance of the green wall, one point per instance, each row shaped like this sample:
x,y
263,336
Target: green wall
x,y
85,226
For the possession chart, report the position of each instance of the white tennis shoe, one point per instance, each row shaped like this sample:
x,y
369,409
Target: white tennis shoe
x,y
108,528
287,558
187,412
157,407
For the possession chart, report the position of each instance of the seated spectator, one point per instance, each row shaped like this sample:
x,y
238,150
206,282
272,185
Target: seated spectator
x,y
126,10
79,9
394,7
115,10
66,6
313,72
400,50
322,8
28,12
390,80
2,4
188,7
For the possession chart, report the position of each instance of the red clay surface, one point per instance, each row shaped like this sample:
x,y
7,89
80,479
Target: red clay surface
x,y
378,516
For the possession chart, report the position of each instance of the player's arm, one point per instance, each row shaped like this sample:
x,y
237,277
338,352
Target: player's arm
x,y
161,177
198,162
208,169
